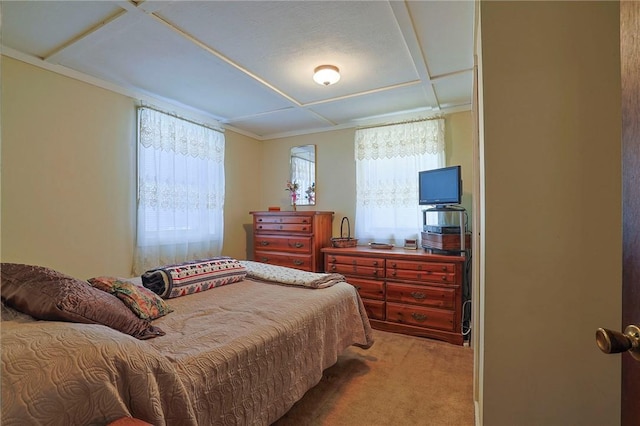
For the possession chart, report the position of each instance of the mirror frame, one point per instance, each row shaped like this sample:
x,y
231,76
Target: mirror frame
x,y
306,194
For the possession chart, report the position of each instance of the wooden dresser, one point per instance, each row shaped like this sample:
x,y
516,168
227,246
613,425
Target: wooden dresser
x,y
291,238
405,291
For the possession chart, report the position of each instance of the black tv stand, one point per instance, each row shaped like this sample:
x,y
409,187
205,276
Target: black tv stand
x,y
462,221
445,208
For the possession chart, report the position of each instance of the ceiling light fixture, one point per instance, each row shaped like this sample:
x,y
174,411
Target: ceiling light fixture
x,y
326,75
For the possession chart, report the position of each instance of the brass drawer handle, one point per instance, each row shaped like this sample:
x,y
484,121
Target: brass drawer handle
x,y
298,262
394,265
332,259
417,295
304,228
264,243
375,263
418,317
265,259
298,244
333,267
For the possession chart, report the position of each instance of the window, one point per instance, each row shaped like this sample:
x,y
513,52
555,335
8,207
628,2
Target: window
x,y
388,159
180,190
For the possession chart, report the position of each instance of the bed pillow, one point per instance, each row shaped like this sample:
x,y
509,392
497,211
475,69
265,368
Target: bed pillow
x,y
51,295
193,277
142,301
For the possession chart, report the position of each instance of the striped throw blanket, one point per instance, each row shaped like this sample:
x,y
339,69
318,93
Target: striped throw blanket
x,y
193,277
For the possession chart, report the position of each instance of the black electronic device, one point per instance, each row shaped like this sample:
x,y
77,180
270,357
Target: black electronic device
x,y
442,229
440,187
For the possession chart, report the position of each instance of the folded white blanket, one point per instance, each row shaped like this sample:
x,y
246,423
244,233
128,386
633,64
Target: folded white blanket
x,y
290,276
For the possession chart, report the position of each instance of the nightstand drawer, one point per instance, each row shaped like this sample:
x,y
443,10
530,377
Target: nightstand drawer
x,y
368,289
419,316
436,297
275,243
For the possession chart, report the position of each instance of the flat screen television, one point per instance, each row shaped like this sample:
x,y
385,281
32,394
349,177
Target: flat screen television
x,y
440,187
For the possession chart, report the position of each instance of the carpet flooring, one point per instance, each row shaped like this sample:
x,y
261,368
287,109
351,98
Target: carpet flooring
x,y
400,380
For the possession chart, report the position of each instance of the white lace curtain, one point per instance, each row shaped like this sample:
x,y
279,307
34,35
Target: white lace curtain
x,y
388,160
180,191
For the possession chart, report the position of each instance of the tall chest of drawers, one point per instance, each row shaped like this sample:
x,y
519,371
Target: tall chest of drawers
x,y
405,291
292,239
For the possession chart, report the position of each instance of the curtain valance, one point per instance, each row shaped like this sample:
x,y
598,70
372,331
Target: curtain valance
x,y
400,140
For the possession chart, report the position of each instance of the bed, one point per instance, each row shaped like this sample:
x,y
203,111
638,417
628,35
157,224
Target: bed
x,y
236,354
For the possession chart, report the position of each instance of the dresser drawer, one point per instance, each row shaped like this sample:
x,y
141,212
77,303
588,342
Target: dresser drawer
x,y
300,220
420,316
290,244
423,276
421,266
289,260
292,238
362,271
356,261
437,297
368,289
374,309
284,227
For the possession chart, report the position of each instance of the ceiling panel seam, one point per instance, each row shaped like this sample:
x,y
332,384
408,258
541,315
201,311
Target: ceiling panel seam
x,y
222,57
366,92
407,28
50,56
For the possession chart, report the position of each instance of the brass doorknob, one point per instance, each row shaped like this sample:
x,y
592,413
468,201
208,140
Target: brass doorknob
x,y
611,342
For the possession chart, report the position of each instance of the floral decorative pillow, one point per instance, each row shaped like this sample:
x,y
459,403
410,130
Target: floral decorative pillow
x,y
143,302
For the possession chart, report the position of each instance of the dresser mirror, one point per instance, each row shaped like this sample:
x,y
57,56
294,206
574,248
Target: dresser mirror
x,y
303,173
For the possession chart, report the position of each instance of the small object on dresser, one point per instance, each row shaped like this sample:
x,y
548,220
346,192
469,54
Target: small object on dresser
x,y
380,246
274,209
411,244
342,242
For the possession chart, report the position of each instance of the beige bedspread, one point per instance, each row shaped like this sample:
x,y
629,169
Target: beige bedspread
x,y
240,354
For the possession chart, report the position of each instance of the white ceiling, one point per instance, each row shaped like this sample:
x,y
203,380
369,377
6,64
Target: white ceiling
x,y
249,64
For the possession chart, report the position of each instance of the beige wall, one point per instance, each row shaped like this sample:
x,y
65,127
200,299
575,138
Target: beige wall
x,y
243,168
336,171
68,175
67,162
459,150
551,104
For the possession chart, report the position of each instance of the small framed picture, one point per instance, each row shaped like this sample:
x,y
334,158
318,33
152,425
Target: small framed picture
x,y
411,244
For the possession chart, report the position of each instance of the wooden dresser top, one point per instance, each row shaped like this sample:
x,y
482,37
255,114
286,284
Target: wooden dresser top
x,y
396,252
